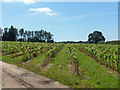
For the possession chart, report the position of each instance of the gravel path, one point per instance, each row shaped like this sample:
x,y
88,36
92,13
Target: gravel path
x,y
16,77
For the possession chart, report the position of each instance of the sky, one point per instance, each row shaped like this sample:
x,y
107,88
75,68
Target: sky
x,y
72,21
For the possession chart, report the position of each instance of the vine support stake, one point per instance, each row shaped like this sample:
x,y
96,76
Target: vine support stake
x,y
112,66
117,67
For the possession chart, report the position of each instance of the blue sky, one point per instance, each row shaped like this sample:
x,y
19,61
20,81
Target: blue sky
x,y
65,20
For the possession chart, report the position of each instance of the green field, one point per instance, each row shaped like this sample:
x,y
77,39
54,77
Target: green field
x,y
75,65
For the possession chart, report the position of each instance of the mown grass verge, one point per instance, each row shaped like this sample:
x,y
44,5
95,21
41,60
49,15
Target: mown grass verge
x,y
98,75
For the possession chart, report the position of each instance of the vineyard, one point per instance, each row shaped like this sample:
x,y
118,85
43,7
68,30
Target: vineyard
x,y
76,65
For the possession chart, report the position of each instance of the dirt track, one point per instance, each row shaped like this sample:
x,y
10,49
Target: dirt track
x,y
15,77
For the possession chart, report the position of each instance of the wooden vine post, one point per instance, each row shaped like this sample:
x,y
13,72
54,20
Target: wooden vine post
x,y
117,67
112,66
48,57
109,64
76,63
77,69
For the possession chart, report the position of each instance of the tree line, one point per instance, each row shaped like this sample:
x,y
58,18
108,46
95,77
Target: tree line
x,y
110,42
14,34
95,37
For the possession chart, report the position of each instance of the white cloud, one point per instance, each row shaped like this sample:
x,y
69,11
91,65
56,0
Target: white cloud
x,y
25,1
8,0
45,10
51,14
29,1
41,10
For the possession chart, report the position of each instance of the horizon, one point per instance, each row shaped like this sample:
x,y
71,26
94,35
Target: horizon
x,y
67,21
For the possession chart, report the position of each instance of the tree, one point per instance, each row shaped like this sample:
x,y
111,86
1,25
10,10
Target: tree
x,y
29,35
32,33
95,37
24,36
49,37
1,34
5,35
12,34
41,35
21,31
16,33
